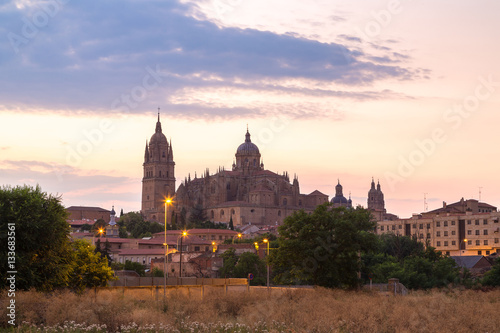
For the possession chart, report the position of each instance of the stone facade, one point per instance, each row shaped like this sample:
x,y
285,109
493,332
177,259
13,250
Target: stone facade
x,y
158,180
246,194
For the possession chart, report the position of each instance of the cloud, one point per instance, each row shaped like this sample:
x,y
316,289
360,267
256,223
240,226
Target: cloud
x,y
89,56
77,187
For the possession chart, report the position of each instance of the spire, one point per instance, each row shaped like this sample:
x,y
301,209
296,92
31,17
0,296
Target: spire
x,y
338,181
158,123
171,150
378,185
373,184
146,153
247,136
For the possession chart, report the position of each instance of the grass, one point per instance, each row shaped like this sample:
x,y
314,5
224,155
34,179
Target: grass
x,y
318,310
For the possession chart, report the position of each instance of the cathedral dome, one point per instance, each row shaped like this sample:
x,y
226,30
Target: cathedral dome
x,y
339,199
158,137
247,147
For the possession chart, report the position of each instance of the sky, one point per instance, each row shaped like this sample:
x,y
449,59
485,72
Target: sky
x,y
406,92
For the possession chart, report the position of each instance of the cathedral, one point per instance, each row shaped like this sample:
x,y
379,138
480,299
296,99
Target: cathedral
x,y
246,194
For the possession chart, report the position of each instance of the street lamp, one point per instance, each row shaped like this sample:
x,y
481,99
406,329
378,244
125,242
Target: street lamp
x,y
184,234
238,235
265,240
165,246
460,248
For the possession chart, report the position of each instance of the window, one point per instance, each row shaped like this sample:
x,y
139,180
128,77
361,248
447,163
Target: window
x,y
477,222
438,224
222,212
400,227
468,221
487,253
285,201
438,243
447,253
469,242
428,225
421,226
300,202
279,214
212,237
479,252
485,242
477,232
478,242
421,236
452,222
485,232
469,232
382,228
496,240
445,243
196,248
446,234
414,226
453,243
428,235
212,214
438,233
453,232
393,227
445,223
485,221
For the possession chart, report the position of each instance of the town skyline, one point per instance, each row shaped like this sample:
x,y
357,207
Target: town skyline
x,y
330,91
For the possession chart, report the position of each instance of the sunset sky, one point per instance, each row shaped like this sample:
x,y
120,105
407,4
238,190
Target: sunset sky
x,y
407,92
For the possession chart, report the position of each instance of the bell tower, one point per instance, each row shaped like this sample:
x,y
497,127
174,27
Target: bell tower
x,y
158,180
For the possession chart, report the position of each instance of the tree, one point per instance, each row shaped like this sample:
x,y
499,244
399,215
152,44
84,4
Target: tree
x,y
121,212
36,221
231,224
323,248
100,224
134,266
182,218
492,277
249,262
86,227
229,263
89,269
197,215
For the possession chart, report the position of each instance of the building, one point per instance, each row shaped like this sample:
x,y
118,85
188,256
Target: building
x,y
88,213
339,200
246,194
376,204
112,228
158,180
464,229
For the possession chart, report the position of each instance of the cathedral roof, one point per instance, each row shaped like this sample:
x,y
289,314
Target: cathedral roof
x,y
339,199
247,147
158,137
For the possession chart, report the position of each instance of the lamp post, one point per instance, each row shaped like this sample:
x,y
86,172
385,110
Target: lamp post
x,y
184,234
265,240
465,242
238,235
165,246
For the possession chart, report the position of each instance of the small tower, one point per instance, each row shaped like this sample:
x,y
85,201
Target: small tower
x,y
158,180
112,229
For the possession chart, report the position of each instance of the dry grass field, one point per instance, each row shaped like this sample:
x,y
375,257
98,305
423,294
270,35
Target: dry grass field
x,y
318,310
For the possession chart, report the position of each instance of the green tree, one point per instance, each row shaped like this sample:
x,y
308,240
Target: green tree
x,y
323,248
135,266
229,263
86,227
156,272
492,277
231,224
88,269
197,215
36,221
182,218
249,262
121,212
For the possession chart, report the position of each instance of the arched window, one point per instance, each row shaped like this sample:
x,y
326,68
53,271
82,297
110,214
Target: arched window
x,y
232,212
221,212
285,201
212,214
279,212
300,202
254,162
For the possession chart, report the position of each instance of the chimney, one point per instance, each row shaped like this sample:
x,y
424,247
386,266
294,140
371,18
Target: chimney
x,y
444,204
